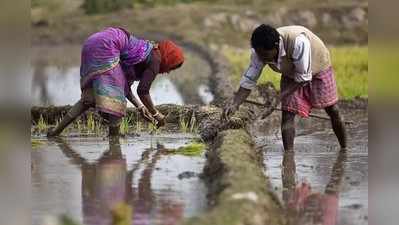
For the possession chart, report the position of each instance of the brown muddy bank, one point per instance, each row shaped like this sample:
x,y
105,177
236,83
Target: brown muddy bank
x,y
237,187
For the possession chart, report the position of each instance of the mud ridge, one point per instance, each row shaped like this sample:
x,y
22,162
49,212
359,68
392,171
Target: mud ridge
x,y
238,189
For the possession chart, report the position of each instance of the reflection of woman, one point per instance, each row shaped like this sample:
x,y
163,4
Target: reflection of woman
x,y
111,61
104,184
108,182
305,207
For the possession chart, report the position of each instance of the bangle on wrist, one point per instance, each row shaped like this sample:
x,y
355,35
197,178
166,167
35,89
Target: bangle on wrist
x,y
156,114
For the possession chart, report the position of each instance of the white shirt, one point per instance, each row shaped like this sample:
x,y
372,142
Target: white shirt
x,y
301,58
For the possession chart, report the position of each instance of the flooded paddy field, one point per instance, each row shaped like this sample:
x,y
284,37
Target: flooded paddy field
x,y
318,183
86,178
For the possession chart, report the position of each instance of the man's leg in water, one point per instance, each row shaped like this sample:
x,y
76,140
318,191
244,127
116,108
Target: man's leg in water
x,y
337,124
288,130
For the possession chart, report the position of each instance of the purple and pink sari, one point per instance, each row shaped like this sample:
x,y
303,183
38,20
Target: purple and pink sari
x,y
104,57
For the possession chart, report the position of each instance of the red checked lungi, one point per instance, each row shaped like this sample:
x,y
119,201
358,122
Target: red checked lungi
x,y
320,93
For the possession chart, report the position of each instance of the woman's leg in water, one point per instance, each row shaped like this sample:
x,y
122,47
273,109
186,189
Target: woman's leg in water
x,y
113,123
77,109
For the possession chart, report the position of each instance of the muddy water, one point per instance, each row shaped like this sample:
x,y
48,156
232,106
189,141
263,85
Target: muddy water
x,y
86,178
318,184
55,78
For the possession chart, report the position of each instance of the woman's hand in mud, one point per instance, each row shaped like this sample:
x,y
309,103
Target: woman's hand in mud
x,y
146,114
228,111
160,118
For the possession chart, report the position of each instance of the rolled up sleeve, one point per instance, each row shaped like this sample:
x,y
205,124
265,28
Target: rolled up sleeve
x,y
302,59
252,74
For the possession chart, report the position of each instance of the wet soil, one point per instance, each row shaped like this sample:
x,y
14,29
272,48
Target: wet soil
x,y
318,183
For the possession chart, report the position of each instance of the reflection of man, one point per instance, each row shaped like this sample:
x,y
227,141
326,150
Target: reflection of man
x,y
108,183
307,77
305,207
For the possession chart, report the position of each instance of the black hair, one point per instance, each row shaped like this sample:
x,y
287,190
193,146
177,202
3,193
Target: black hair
x,y
265,36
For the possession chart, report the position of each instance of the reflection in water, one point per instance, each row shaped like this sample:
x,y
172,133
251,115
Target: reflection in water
x,y
108,182
105,184
304,206
39,82
315,161
55,79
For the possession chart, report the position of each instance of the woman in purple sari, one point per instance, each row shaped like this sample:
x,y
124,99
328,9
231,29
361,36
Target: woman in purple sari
x,y
111,61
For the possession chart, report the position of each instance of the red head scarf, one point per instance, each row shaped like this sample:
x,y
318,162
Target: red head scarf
x,y
171,56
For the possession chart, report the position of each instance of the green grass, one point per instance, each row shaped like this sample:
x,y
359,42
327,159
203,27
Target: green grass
x,y
193,149
350,64
385,79
351,71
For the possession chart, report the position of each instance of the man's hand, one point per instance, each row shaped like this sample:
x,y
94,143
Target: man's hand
x,y
238,99
229,110
160,118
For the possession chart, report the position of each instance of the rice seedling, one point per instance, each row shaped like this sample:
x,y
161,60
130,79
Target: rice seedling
x,y
193,124
99,128
124,126
41,125
192,149
90,123
183,125
153,129
79,125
